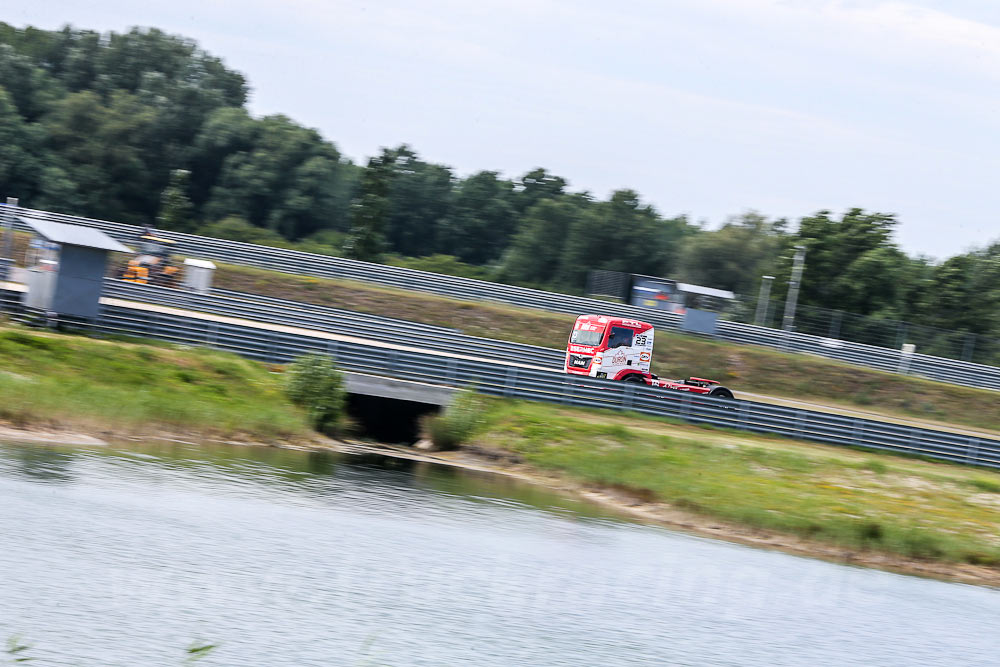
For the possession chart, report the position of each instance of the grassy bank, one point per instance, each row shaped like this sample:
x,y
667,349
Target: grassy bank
x,y
854,500
745,368
75,383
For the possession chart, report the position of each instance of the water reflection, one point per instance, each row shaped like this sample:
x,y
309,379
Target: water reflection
x,y
315,473
321,463
42,463
123,556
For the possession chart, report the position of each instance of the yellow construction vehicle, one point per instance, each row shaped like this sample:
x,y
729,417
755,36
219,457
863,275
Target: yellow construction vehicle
x,y
154,264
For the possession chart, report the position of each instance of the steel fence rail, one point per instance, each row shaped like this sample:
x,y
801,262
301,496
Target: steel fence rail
x,y
341,322
436,367
297,262
531,384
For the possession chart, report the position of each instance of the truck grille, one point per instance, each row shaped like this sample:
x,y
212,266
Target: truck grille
x,y
577,361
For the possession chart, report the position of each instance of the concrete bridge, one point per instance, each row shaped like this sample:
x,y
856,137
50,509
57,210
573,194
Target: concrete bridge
x,y
396,389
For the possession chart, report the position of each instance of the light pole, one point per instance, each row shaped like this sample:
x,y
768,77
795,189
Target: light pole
x,y
788,322
763,300
10,212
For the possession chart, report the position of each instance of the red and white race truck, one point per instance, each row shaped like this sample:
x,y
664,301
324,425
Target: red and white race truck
x,y
621,349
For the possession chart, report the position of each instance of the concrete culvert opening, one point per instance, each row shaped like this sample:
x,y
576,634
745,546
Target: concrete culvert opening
x,y
388,419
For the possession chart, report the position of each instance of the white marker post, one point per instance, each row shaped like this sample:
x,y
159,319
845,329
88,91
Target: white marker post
x,y
905,357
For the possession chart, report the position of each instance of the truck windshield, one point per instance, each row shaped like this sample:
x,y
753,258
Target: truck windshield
x,y
581,337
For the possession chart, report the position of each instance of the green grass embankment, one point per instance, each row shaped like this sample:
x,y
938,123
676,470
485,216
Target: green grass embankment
x,y
856,500
75,383
742,367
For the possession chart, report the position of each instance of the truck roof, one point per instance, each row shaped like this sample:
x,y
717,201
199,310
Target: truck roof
x,y
623,321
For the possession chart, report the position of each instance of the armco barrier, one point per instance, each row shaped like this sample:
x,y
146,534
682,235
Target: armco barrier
x,y
531,384
341,322
292,261
440,368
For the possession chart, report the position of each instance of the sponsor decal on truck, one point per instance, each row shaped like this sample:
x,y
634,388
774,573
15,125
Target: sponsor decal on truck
x,y
622,349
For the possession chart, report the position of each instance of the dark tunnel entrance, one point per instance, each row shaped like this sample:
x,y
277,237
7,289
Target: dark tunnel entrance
x,y
388,419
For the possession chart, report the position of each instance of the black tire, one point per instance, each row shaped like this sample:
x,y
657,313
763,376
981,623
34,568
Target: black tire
x,y
634,377
721,392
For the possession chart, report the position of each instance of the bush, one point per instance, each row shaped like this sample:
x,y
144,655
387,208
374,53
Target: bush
x,y
877,467
446,264
238,229
457,423
314,384
984,484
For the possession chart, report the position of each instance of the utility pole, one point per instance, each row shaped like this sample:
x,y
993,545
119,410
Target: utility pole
x,y
763,300
10,211
788,323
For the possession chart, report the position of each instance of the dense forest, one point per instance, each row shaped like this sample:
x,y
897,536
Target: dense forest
x,y
146,127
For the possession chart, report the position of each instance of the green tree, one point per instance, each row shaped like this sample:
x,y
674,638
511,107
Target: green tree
x,y
101,149
735,256
535,253
481,220
419,197
175,206
964,293
621,234
32,89
283,176
314,200
845,260
20,151
226,131
57,192
536,185
151,93
370,211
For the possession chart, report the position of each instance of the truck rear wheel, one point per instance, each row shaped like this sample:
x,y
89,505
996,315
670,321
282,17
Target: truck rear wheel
x,y
721,392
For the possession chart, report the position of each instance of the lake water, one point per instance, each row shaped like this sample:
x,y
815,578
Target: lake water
x,y
127,556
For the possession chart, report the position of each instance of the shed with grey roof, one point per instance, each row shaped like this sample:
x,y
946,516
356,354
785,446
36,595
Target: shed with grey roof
x,y
68,277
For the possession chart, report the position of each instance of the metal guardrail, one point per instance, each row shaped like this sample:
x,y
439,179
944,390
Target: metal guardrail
x,y
342,322
528,383
297,262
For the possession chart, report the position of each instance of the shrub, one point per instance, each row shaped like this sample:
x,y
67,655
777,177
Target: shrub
x,y
446,264
457,423
314,384
875,466
984,484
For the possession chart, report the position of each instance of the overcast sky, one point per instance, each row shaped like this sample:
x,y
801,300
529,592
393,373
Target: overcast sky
x,y
706,107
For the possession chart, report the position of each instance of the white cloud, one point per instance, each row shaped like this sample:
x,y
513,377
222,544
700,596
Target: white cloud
x,y
916,31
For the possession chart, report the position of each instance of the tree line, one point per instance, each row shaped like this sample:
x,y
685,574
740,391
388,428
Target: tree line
x,y
147,128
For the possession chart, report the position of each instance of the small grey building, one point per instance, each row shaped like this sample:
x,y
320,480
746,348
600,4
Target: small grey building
x,y
701,307
67,276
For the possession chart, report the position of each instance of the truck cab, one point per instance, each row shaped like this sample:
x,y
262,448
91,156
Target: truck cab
x,y
618,348
609,347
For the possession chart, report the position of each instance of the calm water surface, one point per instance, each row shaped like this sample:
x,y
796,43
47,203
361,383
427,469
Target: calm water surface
x,y
127,556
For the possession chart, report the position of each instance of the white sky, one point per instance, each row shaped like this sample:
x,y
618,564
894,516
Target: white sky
x,y
706,107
